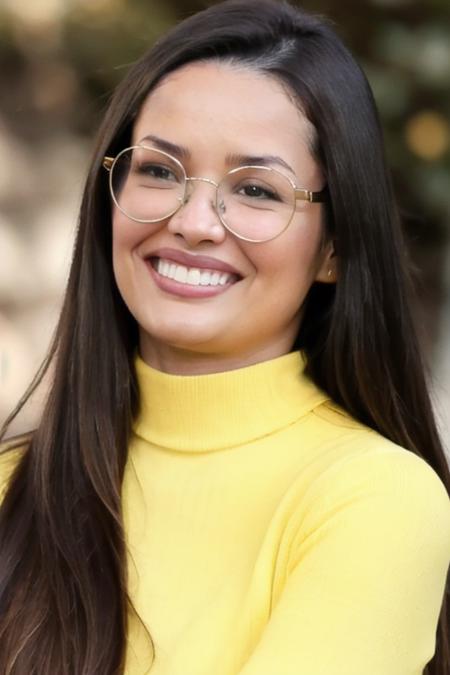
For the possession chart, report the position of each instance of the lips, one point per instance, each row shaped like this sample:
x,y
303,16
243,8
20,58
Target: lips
x,y
189,260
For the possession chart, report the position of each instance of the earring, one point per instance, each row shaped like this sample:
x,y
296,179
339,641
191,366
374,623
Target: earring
x,y
329,272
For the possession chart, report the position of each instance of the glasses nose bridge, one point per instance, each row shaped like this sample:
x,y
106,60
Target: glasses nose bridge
x,y
199,178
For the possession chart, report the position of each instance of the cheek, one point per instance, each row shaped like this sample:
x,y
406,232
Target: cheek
x,y
119,243
124,241
128,235
293,258
125,235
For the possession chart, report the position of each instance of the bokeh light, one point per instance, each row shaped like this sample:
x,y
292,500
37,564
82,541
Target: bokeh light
x,y
428,135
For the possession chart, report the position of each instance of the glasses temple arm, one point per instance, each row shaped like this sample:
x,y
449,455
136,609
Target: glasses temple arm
x,y
309,196
108,162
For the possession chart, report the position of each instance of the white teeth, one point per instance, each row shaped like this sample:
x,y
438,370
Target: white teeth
x,y
181,274
205,278
191,275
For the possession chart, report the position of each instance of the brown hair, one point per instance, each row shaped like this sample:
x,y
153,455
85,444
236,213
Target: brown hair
x,y
63,583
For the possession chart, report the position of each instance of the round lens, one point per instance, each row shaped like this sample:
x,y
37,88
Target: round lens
x,y
147,185
256,203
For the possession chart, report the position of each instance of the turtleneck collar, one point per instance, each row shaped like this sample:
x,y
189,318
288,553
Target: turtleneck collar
x,y
197,413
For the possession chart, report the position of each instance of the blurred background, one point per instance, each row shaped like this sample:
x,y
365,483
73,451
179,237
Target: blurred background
x,y
59,62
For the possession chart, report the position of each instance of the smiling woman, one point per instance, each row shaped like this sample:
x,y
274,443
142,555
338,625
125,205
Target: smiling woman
x,y
237,469
252,314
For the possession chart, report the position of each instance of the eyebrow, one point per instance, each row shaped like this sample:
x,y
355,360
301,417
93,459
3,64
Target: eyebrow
x,y
231,159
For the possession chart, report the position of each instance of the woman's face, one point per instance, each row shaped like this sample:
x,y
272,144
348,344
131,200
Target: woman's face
x,y
212,110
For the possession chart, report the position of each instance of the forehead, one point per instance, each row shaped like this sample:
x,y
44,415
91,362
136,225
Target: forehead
x,y
217,105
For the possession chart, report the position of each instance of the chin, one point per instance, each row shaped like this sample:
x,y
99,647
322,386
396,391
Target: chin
x,y
186,338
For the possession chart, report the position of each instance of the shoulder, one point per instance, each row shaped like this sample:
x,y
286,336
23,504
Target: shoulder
x,y
364,477
373,460
383,487
361,453
385,504
11,452
366,451
383,466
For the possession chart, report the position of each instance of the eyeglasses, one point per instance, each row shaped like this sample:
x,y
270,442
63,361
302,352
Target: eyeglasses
x,y
255,203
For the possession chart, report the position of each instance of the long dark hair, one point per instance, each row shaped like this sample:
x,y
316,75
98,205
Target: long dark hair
x,y
64,606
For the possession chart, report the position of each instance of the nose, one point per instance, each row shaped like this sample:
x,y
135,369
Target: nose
x,y
197,219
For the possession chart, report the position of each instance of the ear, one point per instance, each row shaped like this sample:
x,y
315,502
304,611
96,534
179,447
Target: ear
x,y
327,272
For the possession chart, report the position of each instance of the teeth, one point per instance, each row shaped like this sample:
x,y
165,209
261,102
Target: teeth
x,y
180,274
191,275
205,278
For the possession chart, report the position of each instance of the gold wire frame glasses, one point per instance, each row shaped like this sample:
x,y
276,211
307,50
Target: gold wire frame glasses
x,y
148,185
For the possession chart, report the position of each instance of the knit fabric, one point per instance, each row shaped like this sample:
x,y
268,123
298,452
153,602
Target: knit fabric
x,y
269,533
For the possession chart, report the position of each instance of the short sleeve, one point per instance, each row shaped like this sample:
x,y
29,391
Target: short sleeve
x,y
366,576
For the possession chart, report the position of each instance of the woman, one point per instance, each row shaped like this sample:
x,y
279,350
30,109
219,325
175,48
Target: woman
x,y
237,469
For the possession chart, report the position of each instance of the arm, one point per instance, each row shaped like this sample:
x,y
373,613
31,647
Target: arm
x,y
366,574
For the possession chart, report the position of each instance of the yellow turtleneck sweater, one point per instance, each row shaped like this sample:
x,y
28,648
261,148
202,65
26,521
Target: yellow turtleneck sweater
x,y
271,534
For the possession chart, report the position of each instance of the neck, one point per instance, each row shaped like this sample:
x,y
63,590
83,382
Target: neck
x,y
178,361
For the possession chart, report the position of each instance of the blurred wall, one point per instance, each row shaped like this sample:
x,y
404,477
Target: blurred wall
x,y
59,61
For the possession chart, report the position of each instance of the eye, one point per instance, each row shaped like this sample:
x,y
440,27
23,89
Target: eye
x,y
157,171
258,192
